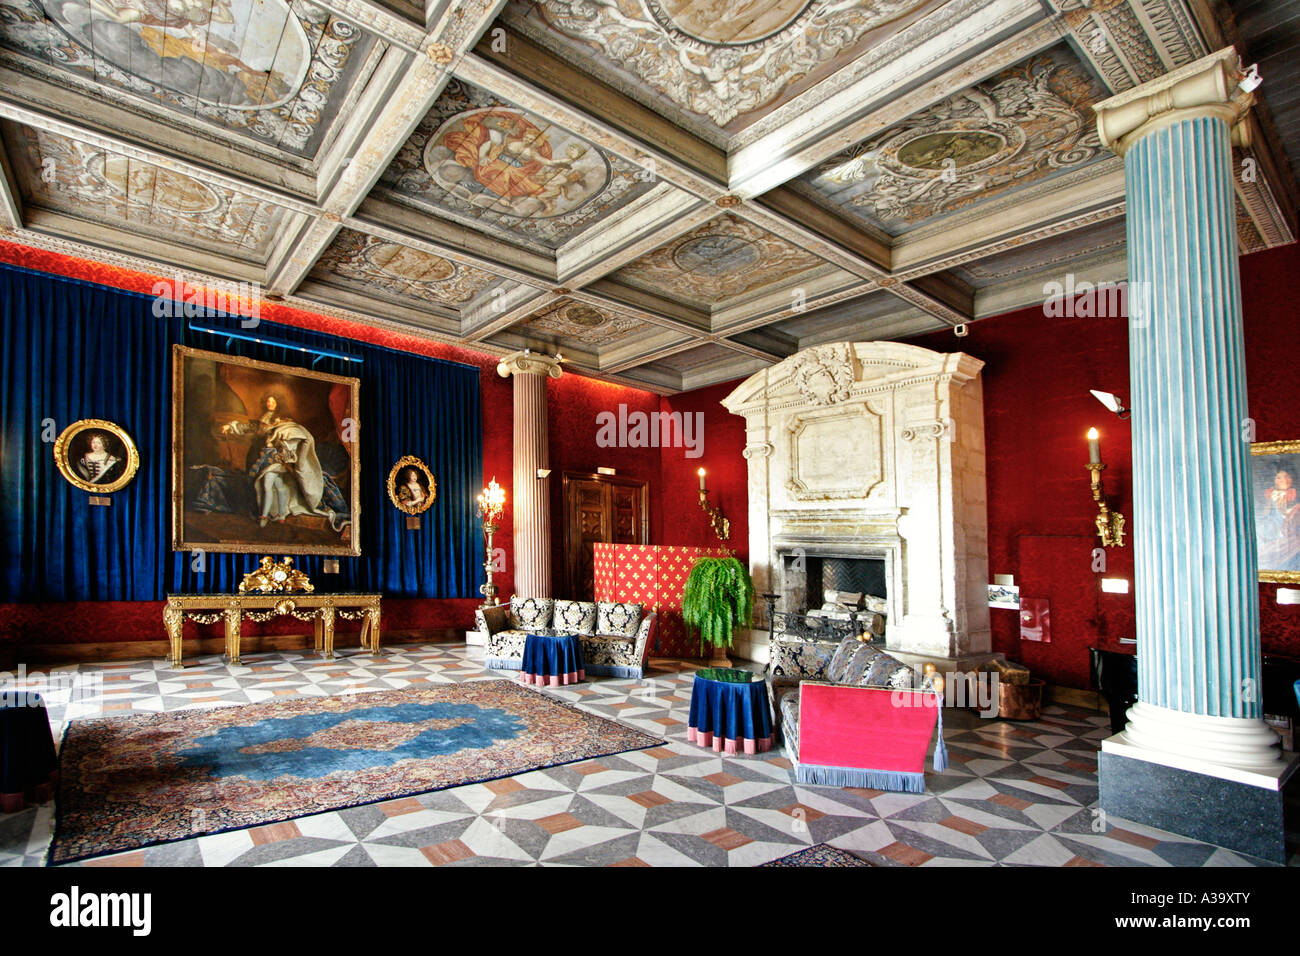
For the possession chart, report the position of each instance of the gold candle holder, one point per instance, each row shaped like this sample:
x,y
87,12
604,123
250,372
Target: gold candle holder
x,y
491,502
1110,524
721,524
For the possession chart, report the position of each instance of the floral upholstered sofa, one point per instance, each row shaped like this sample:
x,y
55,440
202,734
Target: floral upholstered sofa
x,y
615,637
852,715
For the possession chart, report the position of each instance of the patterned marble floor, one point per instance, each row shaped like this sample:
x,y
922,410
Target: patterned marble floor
x,y
1014,794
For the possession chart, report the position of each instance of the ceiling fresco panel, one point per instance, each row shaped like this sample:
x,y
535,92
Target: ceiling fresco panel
x,y
496,167
1028,123
392,271
271,70
724,63
77,179
720,260
578,322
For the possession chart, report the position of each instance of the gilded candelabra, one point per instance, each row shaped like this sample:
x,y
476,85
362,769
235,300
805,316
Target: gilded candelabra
x,y
491,502
721,524
1110,524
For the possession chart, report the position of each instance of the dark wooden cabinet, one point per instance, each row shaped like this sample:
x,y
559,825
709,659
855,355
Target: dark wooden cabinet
x,y
599,508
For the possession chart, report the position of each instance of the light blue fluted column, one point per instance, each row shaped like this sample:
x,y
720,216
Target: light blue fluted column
x,y
1193,524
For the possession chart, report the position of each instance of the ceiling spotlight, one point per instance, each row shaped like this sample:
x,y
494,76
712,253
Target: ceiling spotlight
x,y
1111,402
1250,82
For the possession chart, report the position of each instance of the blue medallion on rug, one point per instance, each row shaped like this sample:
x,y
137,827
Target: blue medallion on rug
x,y
316,745
130,782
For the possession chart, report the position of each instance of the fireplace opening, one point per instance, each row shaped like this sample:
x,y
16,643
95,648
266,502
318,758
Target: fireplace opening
x,y
806,577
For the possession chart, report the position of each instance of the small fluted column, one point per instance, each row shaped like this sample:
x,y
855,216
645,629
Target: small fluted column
x,y
532,511
1193,525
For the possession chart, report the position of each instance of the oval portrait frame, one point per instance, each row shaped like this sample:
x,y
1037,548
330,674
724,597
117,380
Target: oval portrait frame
x,y
65,466
410,461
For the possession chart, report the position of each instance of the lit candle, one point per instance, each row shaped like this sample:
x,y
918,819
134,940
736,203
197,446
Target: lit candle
x,y
1094,447
701,474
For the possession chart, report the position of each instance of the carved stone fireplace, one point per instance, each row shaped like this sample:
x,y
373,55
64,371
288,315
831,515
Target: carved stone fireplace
x,y
873,452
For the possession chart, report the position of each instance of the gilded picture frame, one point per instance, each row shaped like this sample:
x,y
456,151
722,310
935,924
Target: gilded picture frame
x,y
411,486
1275,495
265,457
97,456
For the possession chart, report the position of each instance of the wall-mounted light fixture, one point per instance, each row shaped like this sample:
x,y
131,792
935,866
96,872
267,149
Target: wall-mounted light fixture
x,y
543,472
1110,524
607,471
721,525
1111,401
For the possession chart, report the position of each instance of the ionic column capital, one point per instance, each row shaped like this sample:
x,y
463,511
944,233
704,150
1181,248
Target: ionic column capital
x,y
1208,87
529,362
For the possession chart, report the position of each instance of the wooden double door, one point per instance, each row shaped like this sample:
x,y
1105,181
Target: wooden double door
x,y
599,508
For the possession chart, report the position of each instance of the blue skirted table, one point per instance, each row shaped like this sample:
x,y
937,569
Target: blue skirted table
x,y
729,711
29,768
552,658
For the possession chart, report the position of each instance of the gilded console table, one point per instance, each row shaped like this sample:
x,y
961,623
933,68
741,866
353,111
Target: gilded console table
x,y
321,609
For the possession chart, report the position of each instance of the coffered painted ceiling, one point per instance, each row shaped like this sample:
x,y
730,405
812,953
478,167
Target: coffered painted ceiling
x,y
671,193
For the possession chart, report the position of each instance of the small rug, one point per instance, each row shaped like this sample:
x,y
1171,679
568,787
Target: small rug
x,y
130,782
819,854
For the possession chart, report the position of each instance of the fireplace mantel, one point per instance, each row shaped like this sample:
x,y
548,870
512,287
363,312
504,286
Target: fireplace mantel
x,y
876,449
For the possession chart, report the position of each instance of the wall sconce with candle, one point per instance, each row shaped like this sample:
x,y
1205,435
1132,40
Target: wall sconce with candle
x,y
491,502
1110,524
721,525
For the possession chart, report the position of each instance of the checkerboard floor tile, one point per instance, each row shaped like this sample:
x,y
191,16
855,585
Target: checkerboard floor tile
x,y
1014,794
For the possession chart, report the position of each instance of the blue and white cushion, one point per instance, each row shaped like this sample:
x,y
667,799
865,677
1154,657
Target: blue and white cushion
x,y
617,620
531,614
575,617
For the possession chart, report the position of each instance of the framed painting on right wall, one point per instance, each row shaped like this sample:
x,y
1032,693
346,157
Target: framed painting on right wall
x,y
1275,475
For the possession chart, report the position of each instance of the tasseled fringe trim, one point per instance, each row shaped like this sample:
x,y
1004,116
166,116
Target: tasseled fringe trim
x,y
504,663
857,777
940,748
614,670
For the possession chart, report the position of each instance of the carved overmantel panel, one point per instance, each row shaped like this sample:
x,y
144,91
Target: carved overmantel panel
x,y
876,449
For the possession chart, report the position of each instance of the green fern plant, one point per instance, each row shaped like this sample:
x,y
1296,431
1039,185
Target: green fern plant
x,y
719,597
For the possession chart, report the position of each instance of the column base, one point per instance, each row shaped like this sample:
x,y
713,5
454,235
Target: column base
x,y
1239,810
1206,741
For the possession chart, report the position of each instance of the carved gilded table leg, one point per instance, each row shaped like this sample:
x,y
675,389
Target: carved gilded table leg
x,y
233,620
372,619
327,630
318,637
174,620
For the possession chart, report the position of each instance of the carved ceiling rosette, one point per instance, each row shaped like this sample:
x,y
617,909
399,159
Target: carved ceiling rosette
x,y
824,374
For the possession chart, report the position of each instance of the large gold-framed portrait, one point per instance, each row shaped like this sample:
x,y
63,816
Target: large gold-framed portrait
x,y
265,457
1275,477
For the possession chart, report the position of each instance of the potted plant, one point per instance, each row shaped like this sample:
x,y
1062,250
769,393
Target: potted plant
x,y
719,597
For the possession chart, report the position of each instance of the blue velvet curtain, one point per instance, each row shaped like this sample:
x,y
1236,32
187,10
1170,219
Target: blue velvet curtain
x,y
74,350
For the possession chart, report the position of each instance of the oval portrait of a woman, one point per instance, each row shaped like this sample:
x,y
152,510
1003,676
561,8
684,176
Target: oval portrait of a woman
x,y
411,486
96,456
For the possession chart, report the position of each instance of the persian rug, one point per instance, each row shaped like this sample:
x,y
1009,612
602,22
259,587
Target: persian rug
x,y
819,854
131,782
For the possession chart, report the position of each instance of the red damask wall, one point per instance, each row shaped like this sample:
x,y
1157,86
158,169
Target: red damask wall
x,y
1036,411
721,455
